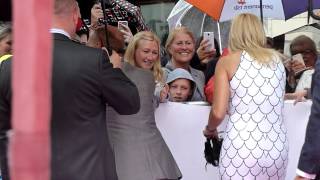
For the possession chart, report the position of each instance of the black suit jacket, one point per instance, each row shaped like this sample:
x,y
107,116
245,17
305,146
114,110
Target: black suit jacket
x,y
5,115
83,82
309,161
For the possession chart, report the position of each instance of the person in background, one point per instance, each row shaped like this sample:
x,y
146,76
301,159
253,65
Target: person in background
x,y
181,85
5,53
309,161
180,46
307,47
300,73
250,86
97,34
140,151
5,40
209,86
205,60
83,82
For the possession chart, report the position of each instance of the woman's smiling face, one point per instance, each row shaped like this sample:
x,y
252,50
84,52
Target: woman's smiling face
x,y
182,48
146,54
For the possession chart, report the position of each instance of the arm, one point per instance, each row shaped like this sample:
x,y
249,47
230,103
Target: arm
x,y
309,161
161,93
297,96
221,96
127,34
204,55
117,89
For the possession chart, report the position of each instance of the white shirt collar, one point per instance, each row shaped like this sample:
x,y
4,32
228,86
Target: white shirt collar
x,y
60,31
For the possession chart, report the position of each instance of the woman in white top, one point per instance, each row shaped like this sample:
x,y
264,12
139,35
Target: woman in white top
x,y
250,88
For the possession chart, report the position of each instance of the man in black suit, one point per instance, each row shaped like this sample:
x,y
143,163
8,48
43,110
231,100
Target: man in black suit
x,y
83,82
309,162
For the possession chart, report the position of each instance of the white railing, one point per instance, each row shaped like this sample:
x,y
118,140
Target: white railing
x,y
181,126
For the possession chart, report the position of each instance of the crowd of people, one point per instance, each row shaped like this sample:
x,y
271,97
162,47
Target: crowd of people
x,y
103,103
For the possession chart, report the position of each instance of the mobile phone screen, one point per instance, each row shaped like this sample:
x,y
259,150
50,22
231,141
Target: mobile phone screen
x,y
121,24
209,36
299,58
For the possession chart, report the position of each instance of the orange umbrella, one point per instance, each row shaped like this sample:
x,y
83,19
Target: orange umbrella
x,y
211,7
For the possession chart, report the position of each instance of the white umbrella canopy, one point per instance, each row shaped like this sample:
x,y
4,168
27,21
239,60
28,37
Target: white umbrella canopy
x,y
176,13
185,14
274,27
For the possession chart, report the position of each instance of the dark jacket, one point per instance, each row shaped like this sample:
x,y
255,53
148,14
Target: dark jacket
x,y
309,161
83,82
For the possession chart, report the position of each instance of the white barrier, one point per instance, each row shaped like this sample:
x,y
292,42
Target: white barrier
x,y
181,126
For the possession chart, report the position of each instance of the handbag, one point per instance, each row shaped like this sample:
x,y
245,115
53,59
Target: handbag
x,y
212,148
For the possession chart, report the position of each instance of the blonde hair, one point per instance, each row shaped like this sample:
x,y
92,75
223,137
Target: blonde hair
x,y
247,33
5,30
129,55
173,34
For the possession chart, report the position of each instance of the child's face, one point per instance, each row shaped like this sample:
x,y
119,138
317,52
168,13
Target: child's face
x,y
180,90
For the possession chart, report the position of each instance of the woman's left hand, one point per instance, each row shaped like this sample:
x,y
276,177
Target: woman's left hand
x,y
210,133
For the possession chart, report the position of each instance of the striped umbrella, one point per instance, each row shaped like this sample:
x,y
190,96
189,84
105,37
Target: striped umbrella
x,y
223,10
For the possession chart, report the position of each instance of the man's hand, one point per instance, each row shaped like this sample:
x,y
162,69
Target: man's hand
x,y
115,58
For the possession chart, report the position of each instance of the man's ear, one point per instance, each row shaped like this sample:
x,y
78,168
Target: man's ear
x,y
76,15
75,18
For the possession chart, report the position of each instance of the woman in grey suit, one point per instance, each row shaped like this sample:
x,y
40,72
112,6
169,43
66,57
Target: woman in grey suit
x,y
140,151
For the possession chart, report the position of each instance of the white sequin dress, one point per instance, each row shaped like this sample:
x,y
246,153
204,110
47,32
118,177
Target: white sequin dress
x,y
255,144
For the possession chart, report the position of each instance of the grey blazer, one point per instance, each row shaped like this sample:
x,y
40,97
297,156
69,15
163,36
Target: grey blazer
x,y
140,151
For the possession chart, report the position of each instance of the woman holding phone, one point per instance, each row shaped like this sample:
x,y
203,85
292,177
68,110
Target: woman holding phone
x,y
180,46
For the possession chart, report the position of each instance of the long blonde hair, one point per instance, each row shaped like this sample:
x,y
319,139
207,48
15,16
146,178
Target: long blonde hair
x,y
129,55
247,33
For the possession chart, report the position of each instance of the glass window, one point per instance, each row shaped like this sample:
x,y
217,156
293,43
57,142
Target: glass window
x,y
155,16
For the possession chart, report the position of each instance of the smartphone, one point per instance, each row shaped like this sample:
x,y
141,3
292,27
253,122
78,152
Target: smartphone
x,y
121,24
298,57
209,36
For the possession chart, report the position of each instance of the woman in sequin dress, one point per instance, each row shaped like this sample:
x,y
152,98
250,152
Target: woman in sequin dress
x,y
250,87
